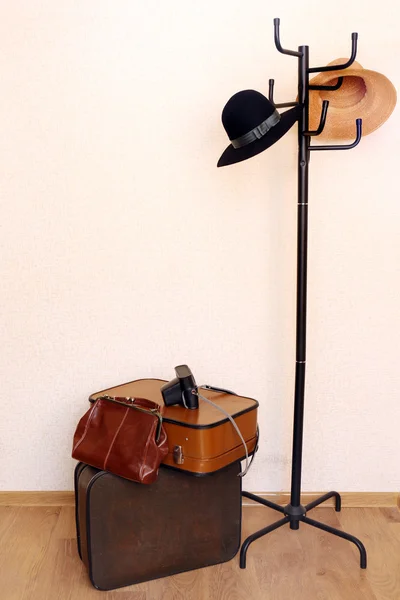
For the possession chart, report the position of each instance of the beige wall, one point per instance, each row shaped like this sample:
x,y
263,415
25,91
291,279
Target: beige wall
x,y
125,251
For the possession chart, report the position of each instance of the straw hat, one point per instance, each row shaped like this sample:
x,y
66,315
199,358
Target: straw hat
x,y
364,94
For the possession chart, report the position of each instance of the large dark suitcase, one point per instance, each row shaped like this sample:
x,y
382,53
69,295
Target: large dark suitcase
x,y
128,532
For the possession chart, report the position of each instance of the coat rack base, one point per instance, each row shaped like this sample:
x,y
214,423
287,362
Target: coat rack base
x,y
293,515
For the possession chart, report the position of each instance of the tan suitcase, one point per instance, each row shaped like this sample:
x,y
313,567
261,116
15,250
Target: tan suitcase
x,y
200,441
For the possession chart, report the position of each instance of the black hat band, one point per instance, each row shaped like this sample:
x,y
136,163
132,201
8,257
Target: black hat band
x,y
258,132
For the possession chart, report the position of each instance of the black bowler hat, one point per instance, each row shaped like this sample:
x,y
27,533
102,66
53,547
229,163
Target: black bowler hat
x,y
253,124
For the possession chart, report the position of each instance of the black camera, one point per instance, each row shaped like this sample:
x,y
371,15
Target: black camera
x,y
180,390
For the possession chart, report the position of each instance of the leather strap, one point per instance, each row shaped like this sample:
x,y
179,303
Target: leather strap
x,y
258,132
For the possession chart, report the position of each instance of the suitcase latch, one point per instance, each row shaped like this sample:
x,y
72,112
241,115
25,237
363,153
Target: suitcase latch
x,y
178,455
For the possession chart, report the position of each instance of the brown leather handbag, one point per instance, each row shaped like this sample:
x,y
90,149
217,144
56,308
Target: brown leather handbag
x,y
124,436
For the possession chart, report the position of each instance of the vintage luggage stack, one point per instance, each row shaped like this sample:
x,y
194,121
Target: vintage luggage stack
x,y
190,517
200,441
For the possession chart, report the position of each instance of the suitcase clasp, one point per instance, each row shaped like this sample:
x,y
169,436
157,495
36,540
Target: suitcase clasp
x,y
178,455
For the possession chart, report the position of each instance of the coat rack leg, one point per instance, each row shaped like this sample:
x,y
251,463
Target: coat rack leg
x,y
263,501
324,498
342,534
256,536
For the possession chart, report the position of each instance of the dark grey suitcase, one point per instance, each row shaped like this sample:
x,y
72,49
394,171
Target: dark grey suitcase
x,y
128,532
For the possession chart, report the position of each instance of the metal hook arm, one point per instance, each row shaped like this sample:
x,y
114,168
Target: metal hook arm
x,y
354,37
327,88
346,146
322,122
278,41
286,104
271,83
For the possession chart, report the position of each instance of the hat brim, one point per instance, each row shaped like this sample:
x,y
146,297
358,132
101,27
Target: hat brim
x,y
233,155
374,109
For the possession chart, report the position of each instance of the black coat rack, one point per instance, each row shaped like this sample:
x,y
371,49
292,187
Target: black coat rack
x,y
295,512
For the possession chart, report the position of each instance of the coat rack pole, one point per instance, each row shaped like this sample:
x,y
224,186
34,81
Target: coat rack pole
x,y
295,512
301,312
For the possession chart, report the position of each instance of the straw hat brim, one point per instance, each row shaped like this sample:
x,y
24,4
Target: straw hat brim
x,y
374,107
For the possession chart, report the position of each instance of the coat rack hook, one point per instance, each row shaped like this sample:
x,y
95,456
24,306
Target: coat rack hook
x,y
278,41
271,83
346,146
325,105
354,38
327,88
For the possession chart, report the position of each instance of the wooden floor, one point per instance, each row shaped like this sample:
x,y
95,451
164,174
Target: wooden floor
x,y
39,561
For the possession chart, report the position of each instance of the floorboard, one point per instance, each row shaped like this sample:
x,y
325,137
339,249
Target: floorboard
x,y
39,560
